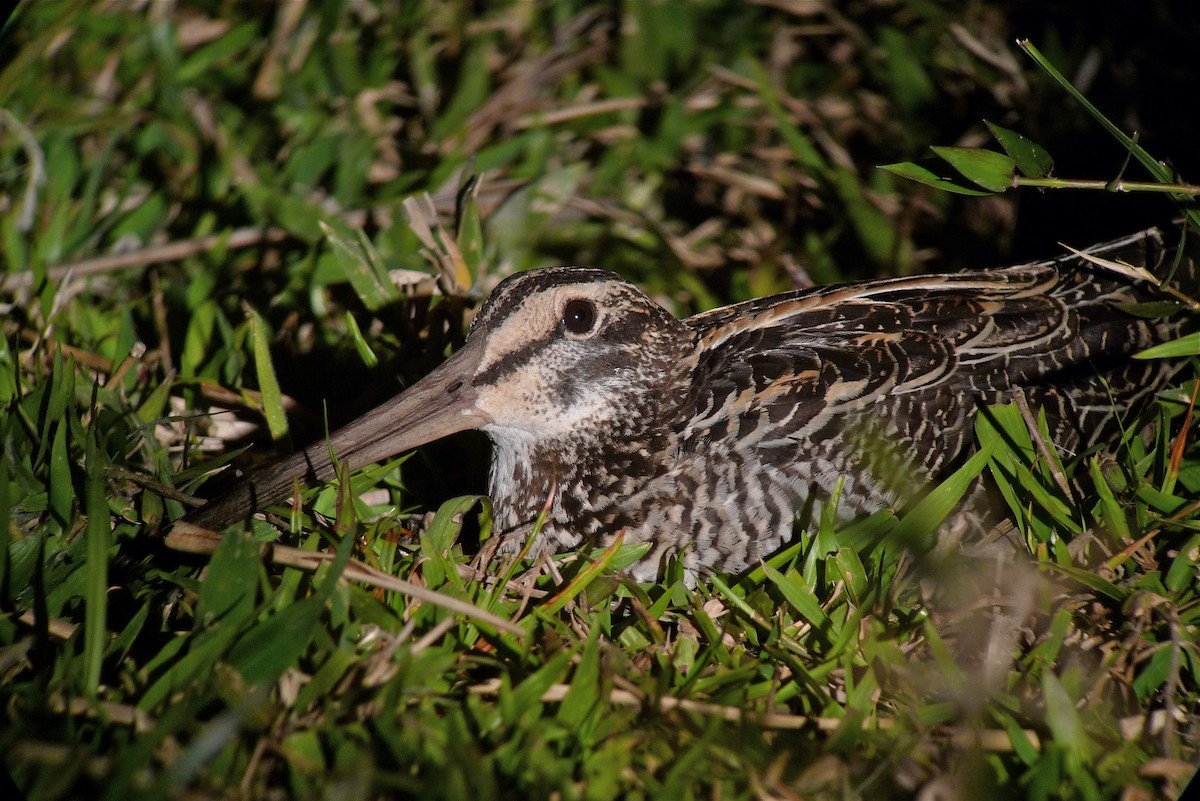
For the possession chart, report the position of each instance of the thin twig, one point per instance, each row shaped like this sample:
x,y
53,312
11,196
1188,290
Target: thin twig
x,y
188,538
57,627
1036,435
156,254
121,714
986,739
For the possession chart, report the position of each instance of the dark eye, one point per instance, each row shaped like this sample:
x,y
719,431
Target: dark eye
x,y
579,316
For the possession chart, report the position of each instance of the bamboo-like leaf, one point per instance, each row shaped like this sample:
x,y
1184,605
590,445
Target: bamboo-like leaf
x,y
923,175
1159,170
991,170
1032,160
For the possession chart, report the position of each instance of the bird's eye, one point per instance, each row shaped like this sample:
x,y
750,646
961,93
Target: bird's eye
x,y
579,316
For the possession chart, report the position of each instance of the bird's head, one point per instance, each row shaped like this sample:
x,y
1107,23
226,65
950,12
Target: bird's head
x,y
559,349
551,352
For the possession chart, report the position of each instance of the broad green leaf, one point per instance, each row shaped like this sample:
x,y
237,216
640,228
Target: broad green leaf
x,y
1032,160
629,554
923,175
447,524
1185,568
993,171
440,537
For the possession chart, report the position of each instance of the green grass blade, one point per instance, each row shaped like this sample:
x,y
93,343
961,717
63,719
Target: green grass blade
x,y
1187,345
96,594
268,383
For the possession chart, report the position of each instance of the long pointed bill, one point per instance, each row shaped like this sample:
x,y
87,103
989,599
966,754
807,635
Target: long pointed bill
x,y
440,404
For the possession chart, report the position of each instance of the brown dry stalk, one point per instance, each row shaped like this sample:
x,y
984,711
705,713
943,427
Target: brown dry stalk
x,y
186,538
996,740
157,254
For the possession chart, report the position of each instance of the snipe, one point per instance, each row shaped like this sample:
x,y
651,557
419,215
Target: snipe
x,y
708,436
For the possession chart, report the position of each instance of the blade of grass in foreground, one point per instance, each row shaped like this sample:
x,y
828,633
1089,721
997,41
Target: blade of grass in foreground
x,y
95,630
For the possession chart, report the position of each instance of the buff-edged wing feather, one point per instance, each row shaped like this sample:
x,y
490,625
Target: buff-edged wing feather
x,y
885,376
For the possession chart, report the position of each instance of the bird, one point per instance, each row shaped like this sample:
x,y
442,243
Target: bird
x,y
710,437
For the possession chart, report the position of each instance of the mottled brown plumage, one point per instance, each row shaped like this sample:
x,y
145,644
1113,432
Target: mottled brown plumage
x,y
708,436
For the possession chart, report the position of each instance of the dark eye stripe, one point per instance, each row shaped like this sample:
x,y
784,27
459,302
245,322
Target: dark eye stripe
x,y
509,362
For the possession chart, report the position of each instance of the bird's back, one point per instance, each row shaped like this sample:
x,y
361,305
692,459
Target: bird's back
x,y
878,383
